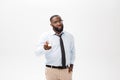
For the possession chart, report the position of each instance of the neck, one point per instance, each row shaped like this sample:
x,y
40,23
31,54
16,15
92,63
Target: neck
x,y
58,33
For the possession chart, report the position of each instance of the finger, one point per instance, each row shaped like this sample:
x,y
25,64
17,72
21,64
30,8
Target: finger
x,y
49,47
45,47
46,43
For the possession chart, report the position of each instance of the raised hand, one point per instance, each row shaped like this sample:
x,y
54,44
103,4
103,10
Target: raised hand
x,y
47,45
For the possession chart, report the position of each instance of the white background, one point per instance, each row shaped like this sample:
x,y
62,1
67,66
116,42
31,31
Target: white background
x,y
95,25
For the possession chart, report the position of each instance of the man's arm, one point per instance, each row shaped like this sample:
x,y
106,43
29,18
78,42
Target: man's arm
x,y
72,55
43,45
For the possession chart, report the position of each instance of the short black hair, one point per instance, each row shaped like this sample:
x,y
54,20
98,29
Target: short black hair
x,y
53,17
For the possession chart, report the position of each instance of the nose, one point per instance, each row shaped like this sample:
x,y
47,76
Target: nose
x,y
58,23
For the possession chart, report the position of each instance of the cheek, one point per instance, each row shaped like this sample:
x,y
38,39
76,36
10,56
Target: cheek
x,y
54,25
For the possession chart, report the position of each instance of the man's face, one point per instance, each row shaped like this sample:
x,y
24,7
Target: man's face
x,y
57,24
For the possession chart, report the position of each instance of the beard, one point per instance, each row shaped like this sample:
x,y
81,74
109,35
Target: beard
x,y
58,29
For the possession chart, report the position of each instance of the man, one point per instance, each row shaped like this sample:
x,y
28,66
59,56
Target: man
x,y
59,51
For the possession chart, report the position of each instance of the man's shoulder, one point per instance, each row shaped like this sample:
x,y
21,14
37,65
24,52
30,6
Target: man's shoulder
x,y
68,33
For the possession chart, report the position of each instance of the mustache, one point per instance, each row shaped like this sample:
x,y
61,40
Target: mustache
x,y
57,29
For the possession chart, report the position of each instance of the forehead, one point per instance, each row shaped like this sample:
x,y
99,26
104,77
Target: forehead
x,y
56,18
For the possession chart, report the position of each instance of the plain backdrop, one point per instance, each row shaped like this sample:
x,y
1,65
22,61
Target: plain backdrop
x,y
95,25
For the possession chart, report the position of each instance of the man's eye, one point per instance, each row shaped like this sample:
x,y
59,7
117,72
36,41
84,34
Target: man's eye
x,y
58,21
55,21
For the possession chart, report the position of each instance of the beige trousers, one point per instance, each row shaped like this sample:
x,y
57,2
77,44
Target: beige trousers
x,y
57,74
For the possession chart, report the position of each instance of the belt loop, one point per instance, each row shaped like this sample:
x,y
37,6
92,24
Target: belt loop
x,y
51,67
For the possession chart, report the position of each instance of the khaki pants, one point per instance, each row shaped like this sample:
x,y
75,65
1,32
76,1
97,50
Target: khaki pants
x,y
58,74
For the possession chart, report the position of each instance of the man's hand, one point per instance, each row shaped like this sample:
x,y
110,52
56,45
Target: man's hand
x,y
47,46
70,69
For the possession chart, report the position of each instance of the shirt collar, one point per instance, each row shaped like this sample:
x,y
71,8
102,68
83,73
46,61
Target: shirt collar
x,y
60,33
